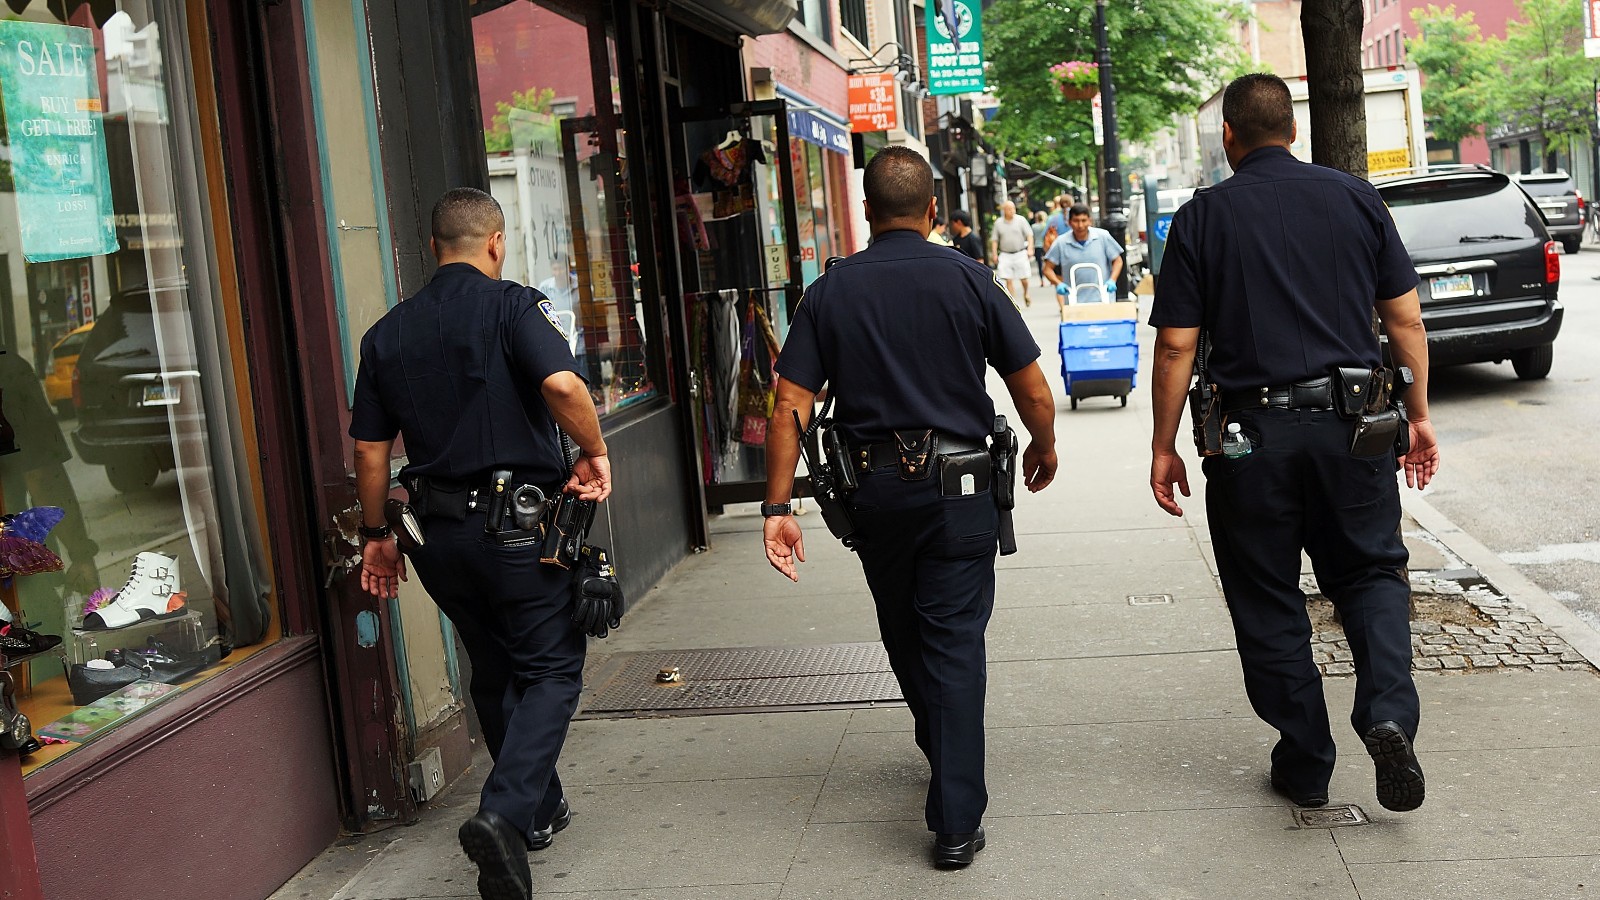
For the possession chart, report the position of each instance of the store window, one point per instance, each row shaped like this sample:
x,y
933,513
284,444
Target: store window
x,y
129,560
558,164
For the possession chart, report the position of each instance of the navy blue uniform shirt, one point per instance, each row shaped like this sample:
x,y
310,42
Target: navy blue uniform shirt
x,y
1281,264
903,333
457,369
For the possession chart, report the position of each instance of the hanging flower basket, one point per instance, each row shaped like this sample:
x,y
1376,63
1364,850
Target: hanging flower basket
x,y
1077,79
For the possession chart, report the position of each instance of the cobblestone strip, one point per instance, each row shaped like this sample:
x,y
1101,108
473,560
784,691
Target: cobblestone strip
x,y
1510,638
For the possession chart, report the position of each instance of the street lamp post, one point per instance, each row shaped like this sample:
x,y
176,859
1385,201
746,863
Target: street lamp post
x,y
1111,218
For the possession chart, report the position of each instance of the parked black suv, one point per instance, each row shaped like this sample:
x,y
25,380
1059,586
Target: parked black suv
x,y
1489,268
1558,198
135,393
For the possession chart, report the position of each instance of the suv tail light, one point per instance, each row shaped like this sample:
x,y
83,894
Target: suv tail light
x,y
1552,262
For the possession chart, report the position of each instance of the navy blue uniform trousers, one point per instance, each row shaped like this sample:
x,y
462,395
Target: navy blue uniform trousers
x,y
929,561
1301,488
514,615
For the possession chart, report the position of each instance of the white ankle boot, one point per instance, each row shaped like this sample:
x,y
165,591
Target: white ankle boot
x,y
151,592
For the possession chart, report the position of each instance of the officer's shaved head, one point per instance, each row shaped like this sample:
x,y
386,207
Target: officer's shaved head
x,y
898,184
464,218
1259,110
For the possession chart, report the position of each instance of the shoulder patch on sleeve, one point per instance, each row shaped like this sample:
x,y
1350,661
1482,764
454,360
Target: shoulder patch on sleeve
x,y
549,310
1008,293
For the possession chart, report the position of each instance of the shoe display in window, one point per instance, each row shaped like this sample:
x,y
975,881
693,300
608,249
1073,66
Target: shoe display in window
x,y
98,677
151,592
18,642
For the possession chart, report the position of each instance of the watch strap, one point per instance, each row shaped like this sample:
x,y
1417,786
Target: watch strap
x,y
375,534
769,510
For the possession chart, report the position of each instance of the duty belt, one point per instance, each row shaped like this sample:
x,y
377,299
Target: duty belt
x,y
1314,394
454,499
886,453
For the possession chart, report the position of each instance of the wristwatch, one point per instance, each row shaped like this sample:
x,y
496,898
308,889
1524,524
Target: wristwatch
x,y
375,534
768,510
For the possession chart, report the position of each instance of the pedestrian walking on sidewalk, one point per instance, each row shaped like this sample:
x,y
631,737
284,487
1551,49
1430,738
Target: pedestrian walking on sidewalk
x,y
1082,243
962,237
902,334
1272,276
1039,230
500,379
1012,244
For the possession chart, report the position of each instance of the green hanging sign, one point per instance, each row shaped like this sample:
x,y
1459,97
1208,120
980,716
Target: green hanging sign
x,y
50,86
955,63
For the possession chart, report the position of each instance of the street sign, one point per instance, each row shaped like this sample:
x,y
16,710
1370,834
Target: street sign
x,y
50,85
1163,226
955,62
872,102
1097,113
1591,28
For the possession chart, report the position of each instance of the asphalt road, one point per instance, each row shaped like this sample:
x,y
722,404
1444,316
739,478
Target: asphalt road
x,y
1521,459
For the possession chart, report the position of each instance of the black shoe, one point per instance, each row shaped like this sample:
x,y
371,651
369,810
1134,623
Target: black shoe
x,y
1299,798
954,851
1400,783
546,836
501,854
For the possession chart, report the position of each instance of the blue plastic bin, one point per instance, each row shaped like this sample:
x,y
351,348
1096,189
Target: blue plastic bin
x,y
1098,334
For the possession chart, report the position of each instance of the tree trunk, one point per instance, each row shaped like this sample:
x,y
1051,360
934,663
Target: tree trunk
x,y
1332,30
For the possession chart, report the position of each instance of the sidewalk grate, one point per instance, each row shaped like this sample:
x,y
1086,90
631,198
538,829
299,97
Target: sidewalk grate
x,y
739,679
1149,599
1337,816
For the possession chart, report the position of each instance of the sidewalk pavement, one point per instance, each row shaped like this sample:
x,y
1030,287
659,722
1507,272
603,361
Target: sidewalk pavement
x,y
1123,758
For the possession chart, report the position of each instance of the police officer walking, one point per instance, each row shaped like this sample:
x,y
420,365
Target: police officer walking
x,y
475,374
902,334
1277,270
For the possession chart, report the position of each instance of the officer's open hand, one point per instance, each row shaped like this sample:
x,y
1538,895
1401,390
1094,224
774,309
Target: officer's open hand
x,y
1423,460
1038,467
382,569
1167,469
785,545
591,478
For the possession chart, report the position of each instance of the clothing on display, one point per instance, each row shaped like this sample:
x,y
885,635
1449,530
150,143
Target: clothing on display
x,y
732,349
725,171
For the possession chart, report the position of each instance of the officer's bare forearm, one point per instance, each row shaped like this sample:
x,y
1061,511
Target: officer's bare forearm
x,y
568,398
1174,366
783,441
1036,406
1408,344
372,479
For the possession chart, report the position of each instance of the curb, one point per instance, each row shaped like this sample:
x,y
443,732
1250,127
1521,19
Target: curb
x,y
1577,633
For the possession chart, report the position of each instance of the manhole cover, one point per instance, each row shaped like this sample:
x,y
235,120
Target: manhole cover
x,y
741,678
1330,816
1149,599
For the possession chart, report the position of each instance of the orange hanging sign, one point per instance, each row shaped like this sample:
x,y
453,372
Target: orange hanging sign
x,y
872,102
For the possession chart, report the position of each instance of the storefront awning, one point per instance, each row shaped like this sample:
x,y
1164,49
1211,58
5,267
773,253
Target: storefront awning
x,y
808,121
753,17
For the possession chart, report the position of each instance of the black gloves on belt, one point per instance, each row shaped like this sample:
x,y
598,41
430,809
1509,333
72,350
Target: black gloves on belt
x,y
597,597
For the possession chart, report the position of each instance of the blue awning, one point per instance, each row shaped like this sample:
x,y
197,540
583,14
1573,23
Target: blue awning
x,y
814,124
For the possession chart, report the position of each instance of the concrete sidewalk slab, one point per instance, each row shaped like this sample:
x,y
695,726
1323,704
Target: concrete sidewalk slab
x,y
1247,854
1547,878
1061,632
695,748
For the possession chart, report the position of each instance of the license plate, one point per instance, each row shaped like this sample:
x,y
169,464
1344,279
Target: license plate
x,y
159,395
1445,286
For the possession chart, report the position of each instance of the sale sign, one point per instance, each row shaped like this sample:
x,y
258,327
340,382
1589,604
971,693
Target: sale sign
x,y
58,153
872,102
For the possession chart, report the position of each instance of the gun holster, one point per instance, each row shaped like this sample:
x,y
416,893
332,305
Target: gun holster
x,y
830,473
1206,413
1003,455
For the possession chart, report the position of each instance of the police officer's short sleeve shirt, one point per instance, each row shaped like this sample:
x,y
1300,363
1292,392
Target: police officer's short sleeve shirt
x,y
903,333
1281,264
457,370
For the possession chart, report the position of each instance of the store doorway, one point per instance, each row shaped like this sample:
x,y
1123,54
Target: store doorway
x,y
739,242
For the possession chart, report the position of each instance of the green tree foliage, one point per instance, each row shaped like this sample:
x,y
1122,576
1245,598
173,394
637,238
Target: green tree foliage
x,y
1536,79
1458,65
510,120
1167,55
1545,84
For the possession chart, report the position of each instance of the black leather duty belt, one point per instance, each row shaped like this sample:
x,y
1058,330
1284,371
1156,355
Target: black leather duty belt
x,y
887,453
1314,394
454,499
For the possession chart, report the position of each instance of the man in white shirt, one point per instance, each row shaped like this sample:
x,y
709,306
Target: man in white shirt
x,y
1012,248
